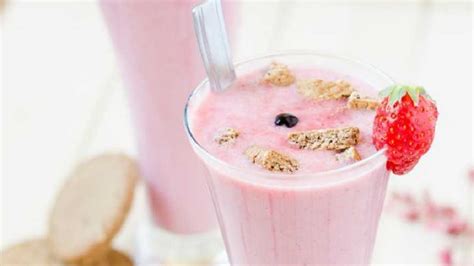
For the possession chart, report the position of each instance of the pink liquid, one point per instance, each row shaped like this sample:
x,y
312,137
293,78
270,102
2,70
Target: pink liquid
x,y
159,59
250,107
329,220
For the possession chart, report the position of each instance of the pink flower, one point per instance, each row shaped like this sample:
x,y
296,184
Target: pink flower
x,y
471,175
412,215
446,257
456,228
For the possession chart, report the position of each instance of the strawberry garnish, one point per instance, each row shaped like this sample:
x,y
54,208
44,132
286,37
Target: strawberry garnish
x,y
405,124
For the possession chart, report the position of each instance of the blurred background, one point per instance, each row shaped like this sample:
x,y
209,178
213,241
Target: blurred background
x,y
63,99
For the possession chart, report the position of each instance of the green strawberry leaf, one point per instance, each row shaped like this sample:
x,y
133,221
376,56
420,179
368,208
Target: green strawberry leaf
x,y
421,90
395,93
413,92
386,92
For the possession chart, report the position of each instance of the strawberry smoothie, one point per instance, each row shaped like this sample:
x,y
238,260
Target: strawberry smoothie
x,y
287,202
160,64
159,59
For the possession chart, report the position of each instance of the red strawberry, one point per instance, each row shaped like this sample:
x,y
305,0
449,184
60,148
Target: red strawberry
x,y
405,124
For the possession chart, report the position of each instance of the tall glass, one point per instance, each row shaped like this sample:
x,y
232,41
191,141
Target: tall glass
x,y
160,63
325,218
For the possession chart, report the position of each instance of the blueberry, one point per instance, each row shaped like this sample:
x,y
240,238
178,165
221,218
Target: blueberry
x,y
286,119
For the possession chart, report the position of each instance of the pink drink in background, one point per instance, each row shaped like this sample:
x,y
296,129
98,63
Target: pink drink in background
x,y
160,63
317,216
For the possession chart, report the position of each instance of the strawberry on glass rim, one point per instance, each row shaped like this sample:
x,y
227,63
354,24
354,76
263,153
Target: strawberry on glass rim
x,y
405,124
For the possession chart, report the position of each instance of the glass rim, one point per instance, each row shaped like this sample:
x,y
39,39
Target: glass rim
x,y
274,175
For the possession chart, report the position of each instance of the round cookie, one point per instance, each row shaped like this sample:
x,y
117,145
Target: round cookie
x,y
117,258
31,252
91,207
112,258
36,252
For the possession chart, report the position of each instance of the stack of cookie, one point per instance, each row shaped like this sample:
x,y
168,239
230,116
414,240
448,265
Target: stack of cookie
x,y
88,212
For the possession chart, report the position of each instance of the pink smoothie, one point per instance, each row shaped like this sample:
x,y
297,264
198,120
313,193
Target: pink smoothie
x,y
160,63
310,217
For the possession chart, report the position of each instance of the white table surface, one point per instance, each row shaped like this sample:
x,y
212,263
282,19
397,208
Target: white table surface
x,y
62,98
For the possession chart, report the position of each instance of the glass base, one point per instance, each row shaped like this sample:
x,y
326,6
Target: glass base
x,y
221,260
156,246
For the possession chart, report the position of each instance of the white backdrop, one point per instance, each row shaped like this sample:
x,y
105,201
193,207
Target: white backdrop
x,y
62,98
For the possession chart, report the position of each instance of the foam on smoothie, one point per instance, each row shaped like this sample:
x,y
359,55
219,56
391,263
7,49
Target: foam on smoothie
x,y
250,107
